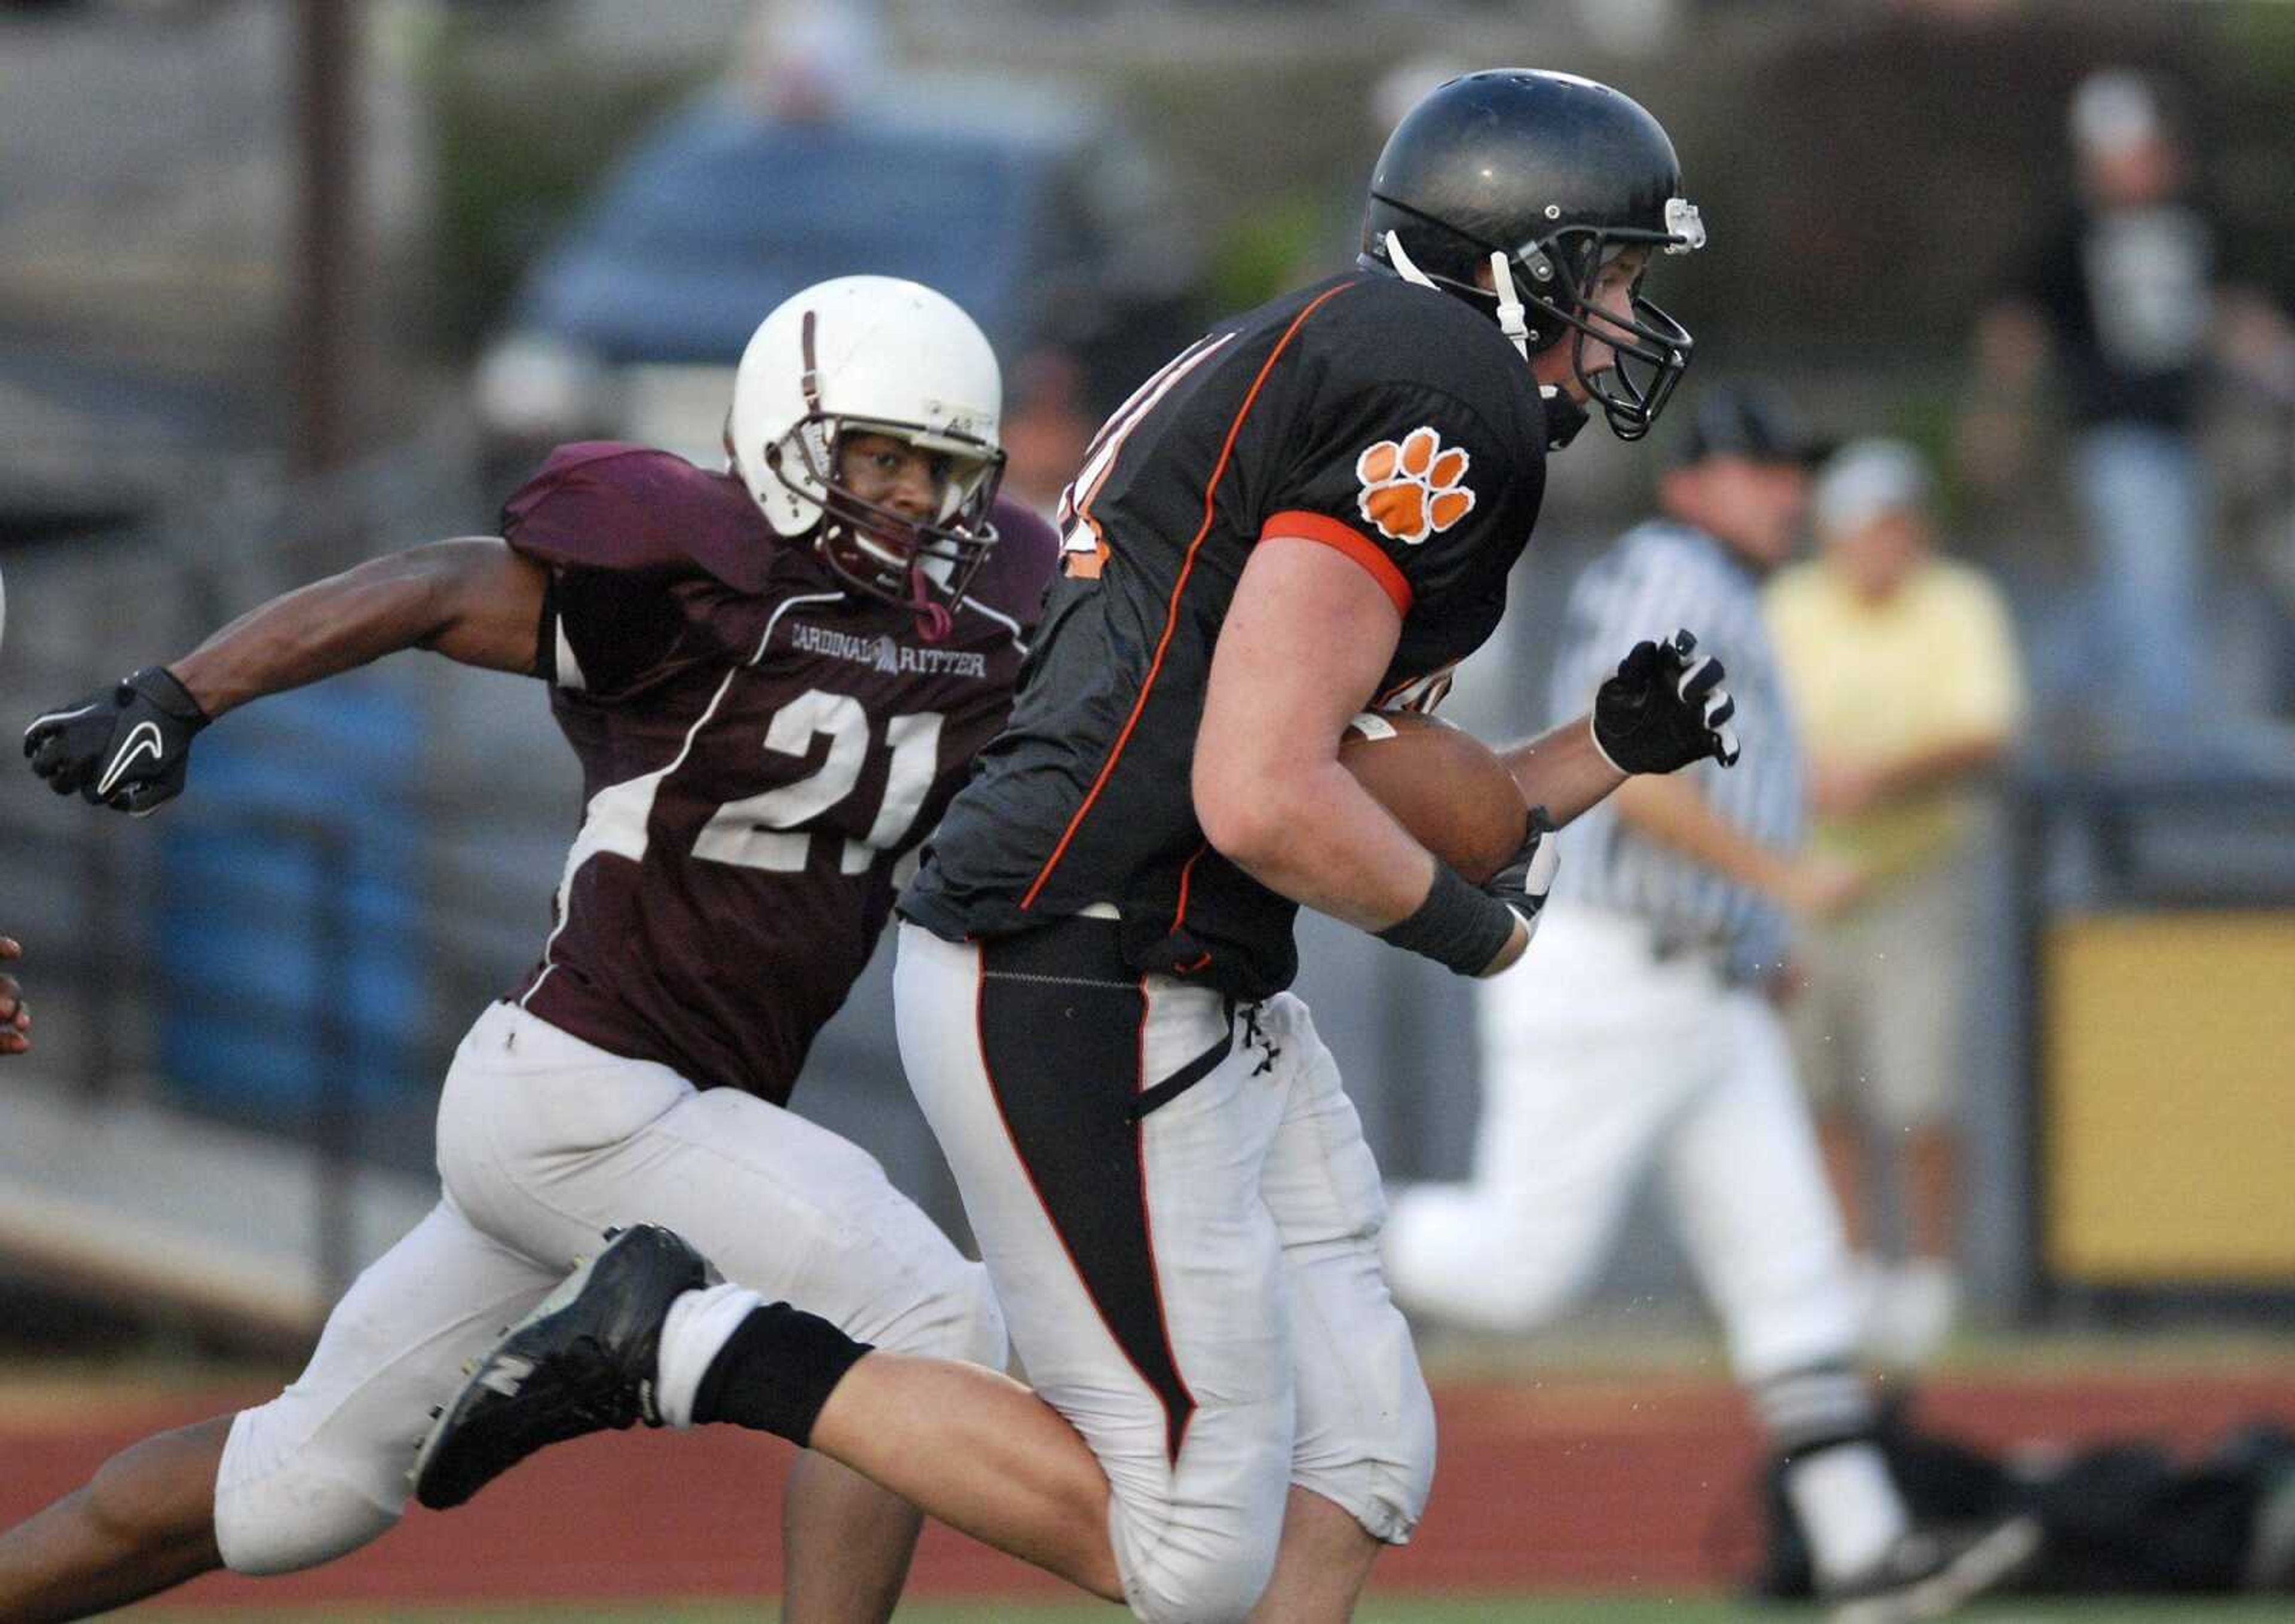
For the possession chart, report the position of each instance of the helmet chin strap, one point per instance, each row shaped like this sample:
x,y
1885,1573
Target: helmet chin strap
x,y
1404,265
1510,317
1511,321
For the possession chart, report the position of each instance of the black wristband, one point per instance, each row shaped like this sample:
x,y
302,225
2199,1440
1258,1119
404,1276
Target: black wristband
x,y
1457,925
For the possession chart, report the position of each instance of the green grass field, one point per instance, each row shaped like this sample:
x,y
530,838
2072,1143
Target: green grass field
x,y
1486,1610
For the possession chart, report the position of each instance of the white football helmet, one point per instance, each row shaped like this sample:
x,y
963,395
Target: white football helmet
x,y
873,354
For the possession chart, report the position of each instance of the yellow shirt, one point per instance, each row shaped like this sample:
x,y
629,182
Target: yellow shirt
x,y
1875,682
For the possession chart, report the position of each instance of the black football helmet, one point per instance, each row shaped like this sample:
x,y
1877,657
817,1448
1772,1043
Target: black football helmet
x,y
1541,178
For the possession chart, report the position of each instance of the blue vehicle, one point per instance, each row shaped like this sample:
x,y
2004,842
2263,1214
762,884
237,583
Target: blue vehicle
x,y
1039,222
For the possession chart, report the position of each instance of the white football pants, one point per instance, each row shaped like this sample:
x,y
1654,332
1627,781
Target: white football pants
x,y
1183,1233
543,1142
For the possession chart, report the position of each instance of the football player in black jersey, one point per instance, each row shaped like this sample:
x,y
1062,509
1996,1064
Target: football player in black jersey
x,y
1309,512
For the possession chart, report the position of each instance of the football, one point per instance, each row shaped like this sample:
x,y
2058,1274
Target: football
x,y
1446,787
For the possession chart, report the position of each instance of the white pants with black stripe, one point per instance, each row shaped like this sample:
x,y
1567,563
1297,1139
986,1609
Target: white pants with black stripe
x,y
1190,1277
1602,1063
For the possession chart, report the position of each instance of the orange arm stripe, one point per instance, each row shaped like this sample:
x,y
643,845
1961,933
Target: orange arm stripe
x,y
1343,536
1172,610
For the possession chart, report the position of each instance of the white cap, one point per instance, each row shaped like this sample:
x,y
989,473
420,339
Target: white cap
x,y
1865,480
2114,110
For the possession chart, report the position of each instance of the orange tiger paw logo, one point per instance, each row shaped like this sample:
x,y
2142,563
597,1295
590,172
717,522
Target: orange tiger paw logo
x,y
1415,489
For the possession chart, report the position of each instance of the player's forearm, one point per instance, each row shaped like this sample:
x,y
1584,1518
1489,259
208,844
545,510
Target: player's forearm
x,y
1312,833
449,595
1672,812
1562,771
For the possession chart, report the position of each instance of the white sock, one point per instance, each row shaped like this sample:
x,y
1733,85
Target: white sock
x,y
698,1327
1848,1507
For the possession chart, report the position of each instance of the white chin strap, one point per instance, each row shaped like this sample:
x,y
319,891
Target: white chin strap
x,y
1404,265
1510,307
1510,316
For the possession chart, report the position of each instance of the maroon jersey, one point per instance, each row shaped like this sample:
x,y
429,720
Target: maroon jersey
x,y
760,750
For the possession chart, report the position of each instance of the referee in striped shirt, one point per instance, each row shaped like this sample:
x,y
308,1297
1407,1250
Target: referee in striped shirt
x,y
1641,1032
1711,859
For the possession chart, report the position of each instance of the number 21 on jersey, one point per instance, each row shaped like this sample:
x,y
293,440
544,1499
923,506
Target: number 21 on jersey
x,y
761,831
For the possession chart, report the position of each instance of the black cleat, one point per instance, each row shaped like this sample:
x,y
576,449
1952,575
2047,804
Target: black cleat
x,y
1929,1574
581,1362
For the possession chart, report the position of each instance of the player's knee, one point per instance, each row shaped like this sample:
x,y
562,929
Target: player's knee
x,y
1204,1574
1377,1463
283,1503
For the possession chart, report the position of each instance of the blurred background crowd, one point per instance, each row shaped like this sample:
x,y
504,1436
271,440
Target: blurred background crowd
x,y
286,285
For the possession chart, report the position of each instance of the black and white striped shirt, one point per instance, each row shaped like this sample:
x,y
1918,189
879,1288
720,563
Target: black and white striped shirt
x,y
1659,576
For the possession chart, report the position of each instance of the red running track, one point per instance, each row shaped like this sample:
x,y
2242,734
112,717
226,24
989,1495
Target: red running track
x,y
1562,1482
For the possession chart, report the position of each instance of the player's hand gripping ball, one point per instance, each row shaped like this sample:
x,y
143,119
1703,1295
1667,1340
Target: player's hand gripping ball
x,y
1521,884
1443,785
1663,708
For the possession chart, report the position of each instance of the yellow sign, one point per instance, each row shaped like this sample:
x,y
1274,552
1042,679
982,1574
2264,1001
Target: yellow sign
x,y
2168,1093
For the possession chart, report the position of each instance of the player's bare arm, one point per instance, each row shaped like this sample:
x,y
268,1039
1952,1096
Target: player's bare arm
x,y
1562,771
127,745
1305,641
472,599
15,1020
1662,709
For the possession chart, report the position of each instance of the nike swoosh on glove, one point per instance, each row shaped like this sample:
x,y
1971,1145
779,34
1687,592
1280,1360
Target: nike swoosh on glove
x,y
1663,708
1523,884
127,745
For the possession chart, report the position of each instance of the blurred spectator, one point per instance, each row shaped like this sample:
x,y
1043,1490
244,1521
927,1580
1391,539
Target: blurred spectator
x,y
2128,295
807,62
1901,671
1047,428
15,1020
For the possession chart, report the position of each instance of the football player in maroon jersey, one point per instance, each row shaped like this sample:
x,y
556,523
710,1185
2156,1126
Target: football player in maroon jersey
x,y
775,677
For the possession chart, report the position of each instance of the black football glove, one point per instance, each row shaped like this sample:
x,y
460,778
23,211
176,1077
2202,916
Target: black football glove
x,y
1663,708
125,745
1523,884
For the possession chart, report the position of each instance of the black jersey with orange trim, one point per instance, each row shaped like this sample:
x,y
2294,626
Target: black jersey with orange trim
x,y
1391,422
